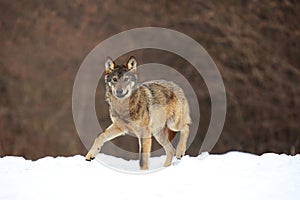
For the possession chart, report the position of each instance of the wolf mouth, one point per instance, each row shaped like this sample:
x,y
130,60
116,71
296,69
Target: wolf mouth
x,y
122,95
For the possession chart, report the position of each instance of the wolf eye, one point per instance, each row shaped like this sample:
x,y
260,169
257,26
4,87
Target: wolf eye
x,y
114,79
126,79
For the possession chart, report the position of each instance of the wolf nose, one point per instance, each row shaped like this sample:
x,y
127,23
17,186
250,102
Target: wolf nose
x,y
119,91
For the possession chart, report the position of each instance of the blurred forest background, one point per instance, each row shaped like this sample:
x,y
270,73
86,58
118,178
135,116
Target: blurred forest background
x,y
255,44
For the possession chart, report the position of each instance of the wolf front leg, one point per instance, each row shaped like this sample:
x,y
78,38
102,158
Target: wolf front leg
x,y
110,133
145,152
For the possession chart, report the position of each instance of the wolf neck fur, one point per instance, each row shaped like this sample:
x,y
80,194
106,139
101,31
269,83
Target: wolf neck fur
x,y
117,105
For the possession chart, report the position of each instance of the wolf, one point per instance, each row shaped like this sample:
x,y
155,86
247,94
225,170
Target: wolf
x,y
156,108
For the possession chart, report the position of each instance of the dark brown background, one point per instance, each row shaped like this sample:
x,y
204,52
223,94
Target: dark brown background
x,y
256,46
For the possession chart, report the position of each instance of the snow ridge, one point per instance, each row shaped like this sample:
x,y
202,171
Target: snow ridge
x,y
234,175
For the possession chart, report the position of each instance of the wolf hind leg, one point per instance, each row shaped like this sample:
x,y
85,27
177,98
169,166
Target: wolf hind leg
x,y
181,146
163,139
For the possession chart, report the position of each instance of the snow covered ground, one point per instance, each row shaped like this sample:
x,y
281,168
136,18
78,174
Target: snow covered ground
x,y
233,175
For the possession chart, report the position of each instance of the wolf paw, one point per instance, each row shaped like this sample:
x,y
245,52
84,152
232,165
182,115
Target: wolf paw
x,y
90,156
179,153
167,164
145,167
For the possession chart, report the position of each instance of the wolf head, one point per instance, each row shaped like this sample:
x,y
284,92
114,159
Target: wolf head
x,y
121,79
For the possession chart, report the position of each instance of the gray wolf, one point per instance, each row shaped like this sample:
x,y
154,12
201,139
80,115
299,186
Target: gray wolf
x,y
155,108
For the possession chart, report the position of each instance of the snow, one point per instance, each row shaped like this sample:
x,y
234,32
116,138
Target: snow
x,y
234,175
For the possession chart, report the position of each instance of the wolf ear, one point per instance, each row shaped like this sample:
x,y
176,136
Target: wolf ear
x,y
131,64
109,65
